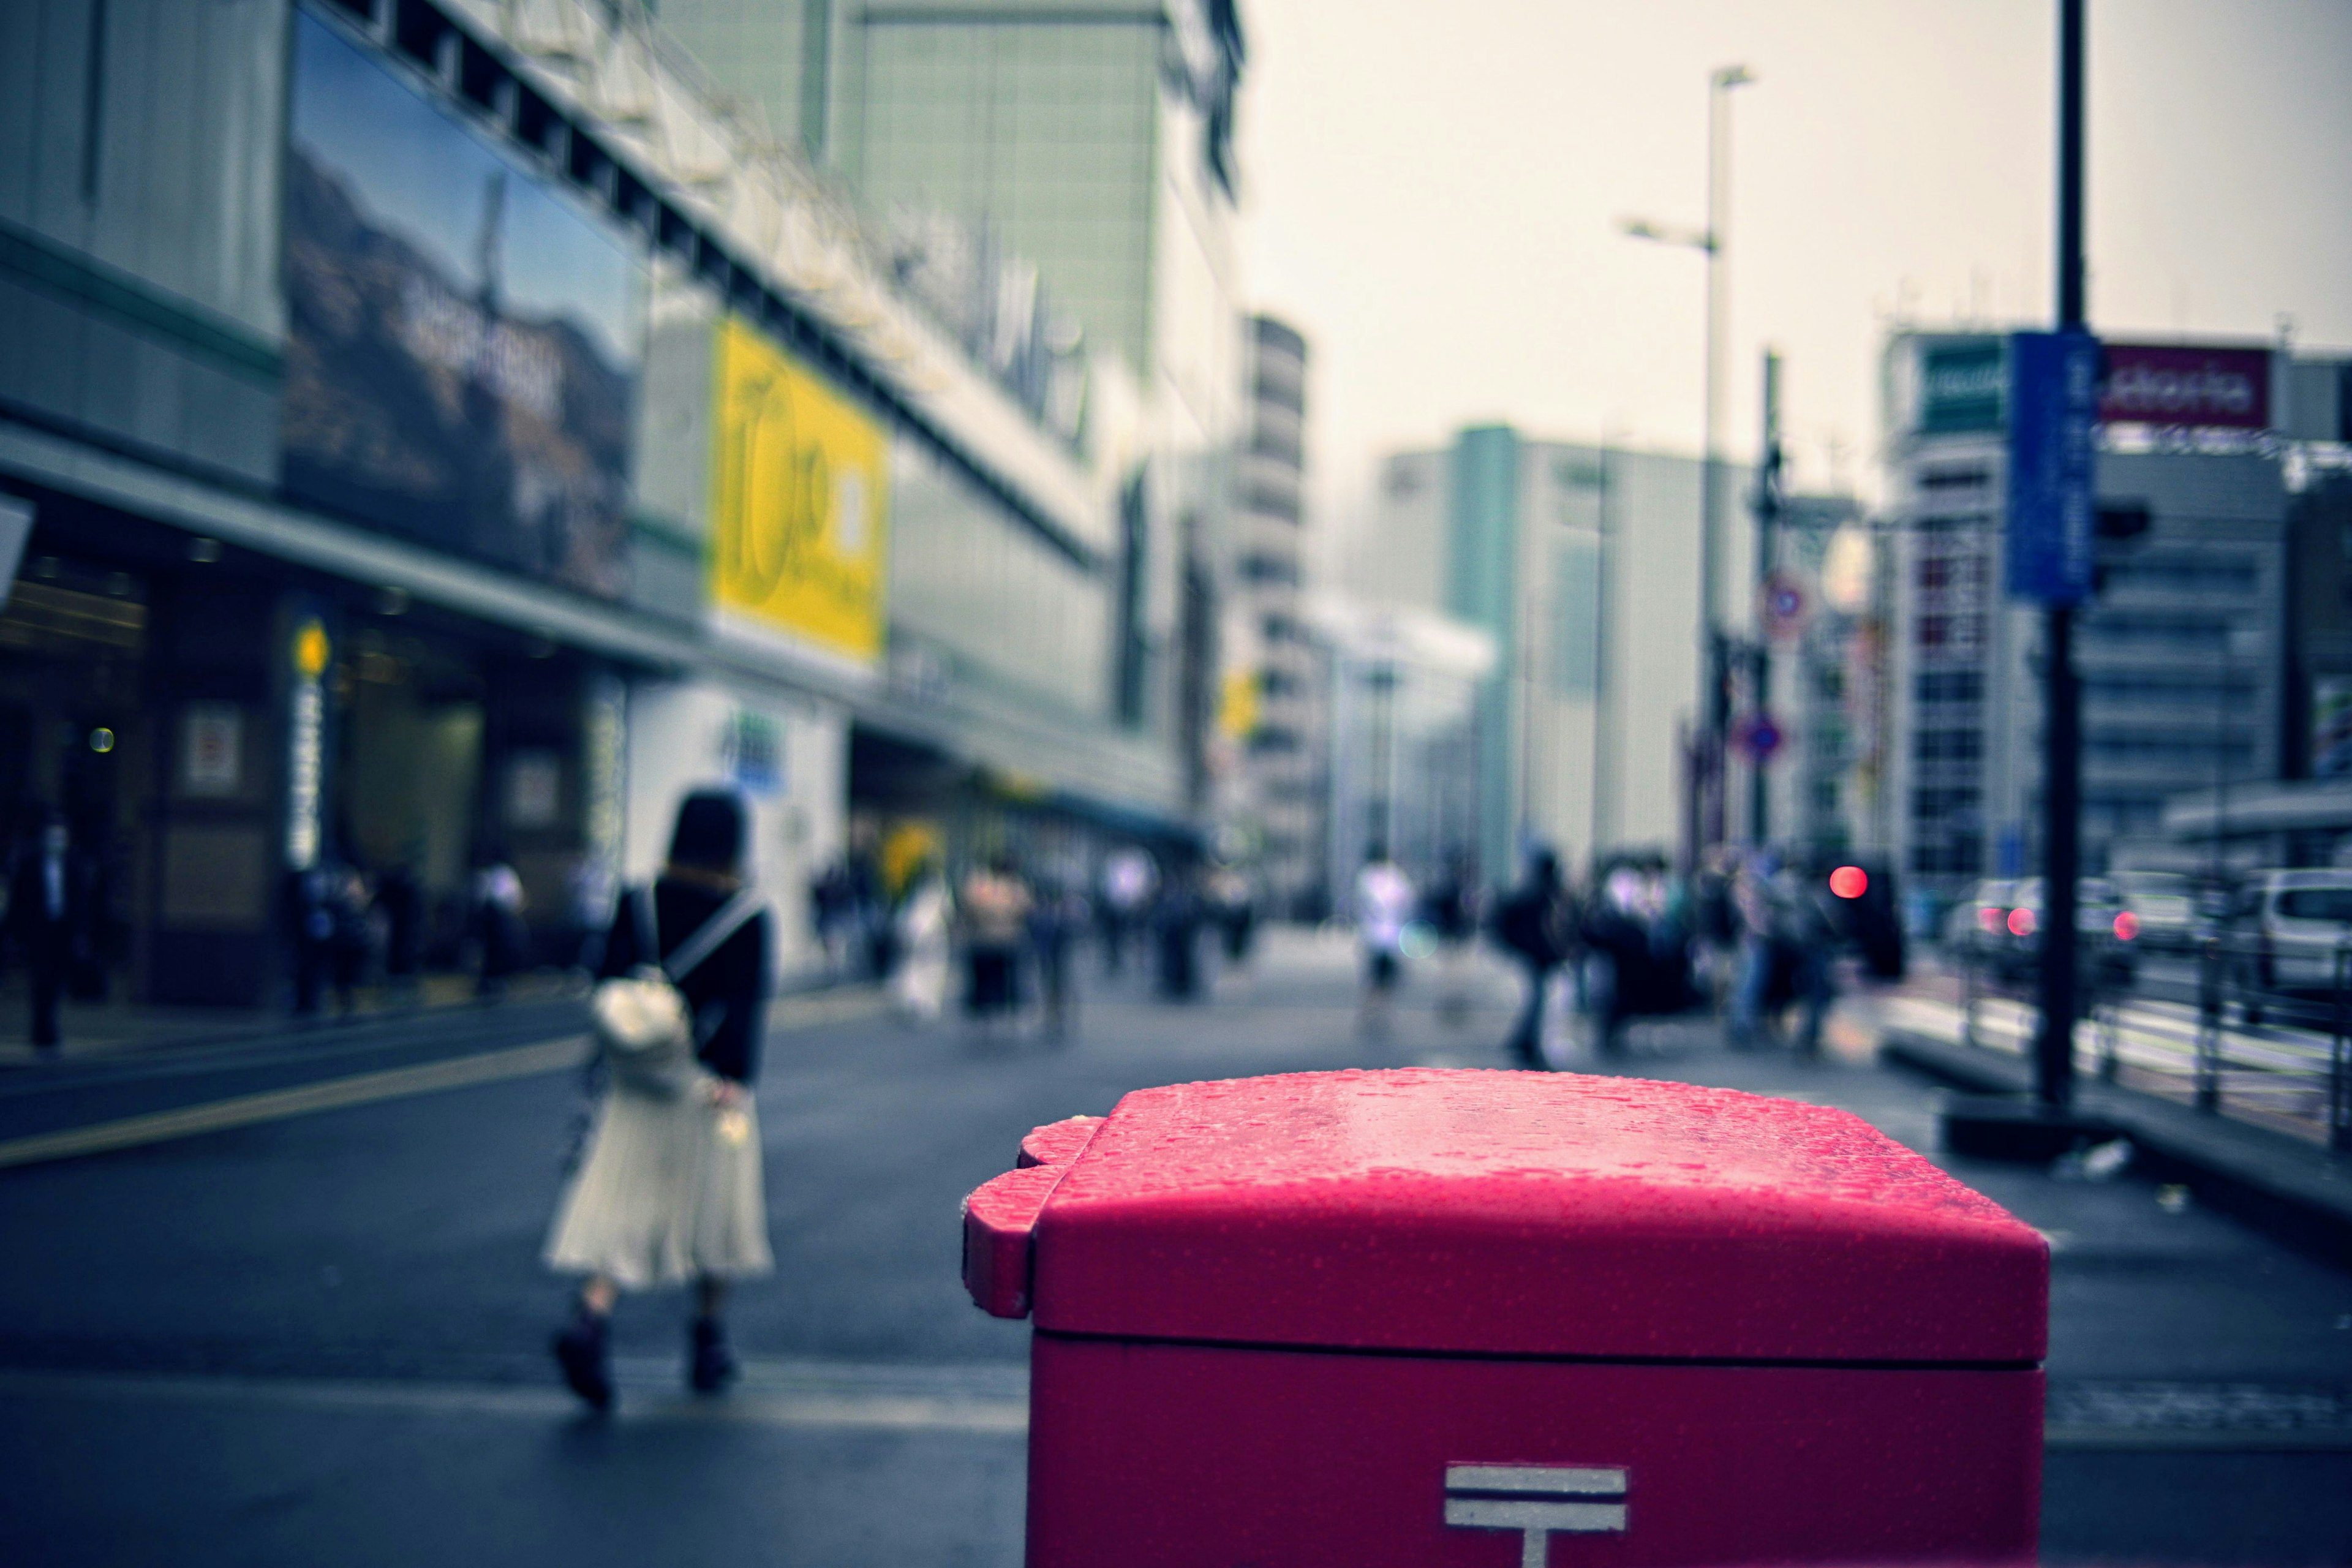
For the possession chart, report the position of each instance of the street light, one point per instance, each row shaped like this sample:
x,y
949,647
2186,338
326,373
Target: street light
x,y
1714,695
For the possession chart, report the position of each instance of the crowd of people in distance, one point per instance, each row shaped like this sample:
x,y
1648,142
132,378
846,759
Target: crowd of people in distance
x,y
1750,934
999,942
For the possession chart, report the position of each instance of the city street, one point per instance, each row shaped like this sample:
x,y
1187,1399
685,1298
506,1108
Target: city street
x,y
318,1335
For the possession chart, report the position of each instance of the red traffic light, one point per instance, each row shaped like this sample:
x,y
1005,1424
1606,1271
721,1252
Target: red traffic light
x,y
2021,921
2127,926
1849,881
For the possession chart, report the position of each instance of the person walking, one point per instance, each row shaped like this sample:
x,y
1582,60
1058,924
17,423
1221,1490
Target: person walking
x,y
1056,921
351,937
996,904
1534,924
1384,903
921,932
670,1189
41,906
498,915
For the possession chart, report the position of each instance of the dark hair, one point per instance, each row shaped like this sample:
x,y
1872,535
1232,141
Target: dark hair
x,y
710,832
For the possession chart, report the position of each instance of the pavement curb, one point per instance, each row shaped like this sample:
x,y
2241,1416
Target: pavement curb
x,y
2298,1192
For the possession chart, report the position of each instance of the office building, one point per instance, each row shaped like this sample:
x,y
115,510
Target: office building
x,y
1581,565
2183,655
1279,794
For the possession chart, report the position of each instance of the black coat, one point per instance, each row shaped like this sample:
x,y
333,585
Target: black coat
x,y
728,991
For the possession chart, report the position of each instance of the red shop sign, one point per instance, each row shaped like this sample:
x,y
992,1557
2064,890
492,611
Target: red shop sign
x,y
2150,384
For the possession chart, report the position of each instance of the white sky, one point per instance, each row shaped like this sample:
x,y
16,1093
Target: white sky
x,y
1432,194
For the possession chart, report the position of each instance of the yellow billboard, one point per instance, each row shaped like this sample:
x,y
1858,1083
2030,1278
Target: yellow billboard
x,y
799,502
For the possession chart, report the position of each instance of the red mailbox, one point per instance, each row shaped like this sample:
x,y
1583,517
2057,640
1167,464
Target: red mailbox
x,y
1430,1317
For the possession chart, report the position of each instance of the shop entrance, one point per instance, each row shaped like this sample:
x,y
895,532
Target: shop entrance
x,y
407,779
72,740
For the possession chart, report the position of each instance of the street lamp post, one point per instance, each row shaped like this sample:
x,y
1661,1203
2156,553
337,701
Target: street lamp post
x,y
1714,695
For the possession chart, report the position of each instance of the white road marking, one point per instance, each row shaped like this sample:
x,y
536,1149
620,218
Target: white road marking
x,y
831,1401
303,1099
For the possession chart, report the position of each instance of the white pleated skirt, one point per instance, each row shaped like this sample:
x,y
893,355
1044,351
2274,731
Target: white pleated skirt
x,y
670,1190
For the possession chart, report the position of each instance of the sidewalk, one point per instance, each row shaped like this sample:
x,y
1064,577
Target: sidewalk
x,y
2270,1174
115,1027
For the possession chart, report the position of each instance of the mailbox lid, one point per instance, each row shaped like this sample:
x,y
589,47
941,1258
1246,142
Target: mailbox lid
x,y
1529,1213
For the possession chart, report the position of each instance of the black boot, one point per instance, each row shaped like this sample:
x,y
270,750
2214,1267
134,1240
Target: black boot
x,y
711,1365
581,1351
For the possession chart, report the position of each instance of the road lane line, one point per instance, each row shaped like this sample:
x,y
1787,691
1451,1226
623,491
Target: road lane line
x,y
662,1402
303,1099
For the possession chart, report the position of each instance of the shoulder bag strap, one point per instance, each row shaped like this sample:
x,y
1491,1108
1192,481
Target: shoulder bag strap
x,y
714,931
648,929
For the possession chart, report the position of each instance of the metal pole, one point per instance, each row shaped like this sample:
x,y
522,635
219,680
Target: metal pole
x,y
1767,516
2206,1080
1716,714
2053,1078
2339,1091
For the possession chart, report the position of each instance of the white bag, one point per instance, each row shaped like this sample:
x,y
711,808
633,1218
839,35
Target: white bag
x,y
641,1020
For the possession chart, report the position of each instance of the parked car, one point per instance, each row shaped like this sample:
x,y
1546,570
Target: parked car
x,y
2163,907
2290,926
1999,926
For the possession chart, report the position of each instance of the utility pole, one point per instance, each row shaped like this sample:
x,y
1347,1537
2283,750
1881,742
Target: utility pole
x,y
1716,649
1767,518
2053,1076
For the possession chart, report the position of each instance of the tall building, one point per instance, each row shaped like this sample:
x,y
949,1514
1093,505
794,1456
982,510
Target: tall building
x,y
433,433
1580,563
2181,654
1281,771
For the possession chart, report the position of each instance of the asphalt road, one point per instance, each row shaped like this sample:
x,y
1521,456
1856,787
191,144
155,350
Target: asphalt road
x,y
318,1335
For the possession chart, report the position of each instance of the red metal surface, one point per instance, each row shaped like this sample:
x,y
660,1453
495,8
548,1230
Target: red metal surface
x,y
998,1218
1152,1454
1535,1213
1057,1142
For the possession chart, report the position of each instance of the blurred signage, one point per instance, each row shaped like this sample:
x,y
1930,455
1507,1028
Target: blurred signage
x,y
211,749
2331,727
2150,383
306,741
2053,406
1961,385
798,509
463,343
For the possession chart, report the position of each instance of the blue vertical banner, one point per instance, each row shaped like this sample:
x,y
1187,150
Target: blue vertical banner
x,y
2054,406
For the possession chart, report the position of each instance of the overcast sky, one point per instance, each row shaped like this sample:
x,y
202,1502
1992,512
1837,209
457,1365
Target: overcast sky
x,y
1433,194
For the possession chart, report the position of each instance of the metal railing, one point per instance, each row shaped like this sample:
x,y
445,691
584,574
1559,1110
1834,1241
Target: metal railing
x,y
2227,1024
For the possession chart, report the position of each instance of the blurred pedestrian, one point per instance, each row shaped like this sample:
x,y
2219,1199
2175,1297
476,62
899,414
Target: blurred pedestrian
x,y
1056,921
1129,881
1233,905
41,888
1384,903
1535,926
350,935
401,901
311,925
920,937
498,927
833,911
995,905
1450,911
1176,918
670,1189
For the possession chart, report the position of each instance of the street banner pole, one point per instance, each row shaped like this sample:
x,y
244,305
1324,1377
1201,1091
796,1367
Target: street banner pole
x,y
2053,1076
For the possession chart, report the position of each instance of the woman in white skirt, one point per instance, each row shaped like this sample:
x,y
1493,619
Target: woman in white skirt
x,y
670,1189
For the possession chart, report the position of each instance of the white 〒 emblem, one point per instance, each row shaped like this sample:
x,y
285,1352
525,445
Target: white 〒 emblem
x,y
1537,1500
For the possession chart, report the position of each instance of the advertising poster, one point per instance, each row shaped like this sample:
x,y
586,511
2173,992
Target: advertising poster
x,y
462,344
799,502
